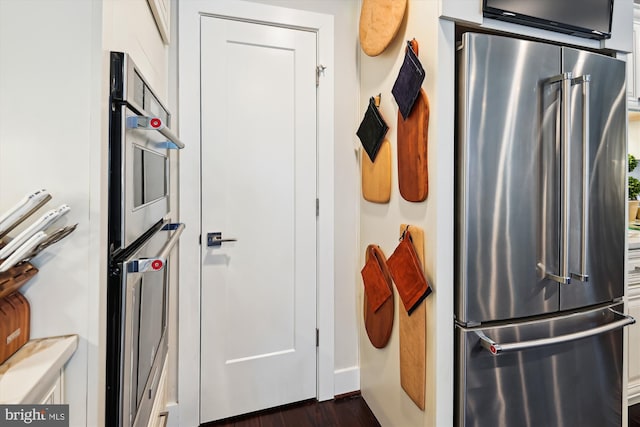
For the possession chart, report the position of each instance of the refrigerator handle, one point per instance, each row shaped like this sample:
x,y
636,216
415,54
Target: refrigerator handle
x,y
496,348
584,229
565,80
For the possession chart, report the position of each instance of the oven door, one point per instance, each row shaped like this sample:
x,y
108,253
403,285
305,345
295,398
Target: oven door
x,y
145,290
146,178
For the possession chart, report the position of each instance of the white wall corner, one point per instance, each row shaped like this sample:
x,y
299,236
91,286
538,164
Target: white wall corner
x,y
346,380
461,10
621,27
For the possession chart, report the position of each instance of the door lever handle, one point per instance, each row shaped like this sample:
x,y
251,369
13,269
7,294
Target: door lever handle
x,y
215,240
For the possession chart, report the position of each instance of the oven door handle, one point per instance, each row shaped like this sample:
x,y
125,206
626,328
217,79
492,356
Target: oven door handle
x,y
155,123
174,142
157,263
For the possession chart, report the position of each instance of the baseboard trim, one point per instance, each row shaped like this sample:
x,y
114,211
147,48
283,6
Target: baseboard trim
x,y
346,381
349,395
173,409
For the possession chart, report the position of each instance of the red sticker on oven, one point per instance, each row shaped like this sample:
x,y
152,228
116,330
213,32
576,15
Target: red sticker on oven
x,y
157,264
155,122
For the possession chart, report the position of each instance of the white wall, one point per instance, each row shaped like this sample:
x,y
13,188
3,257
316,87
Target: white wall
x,y
129,27
53,134
50,135
379,224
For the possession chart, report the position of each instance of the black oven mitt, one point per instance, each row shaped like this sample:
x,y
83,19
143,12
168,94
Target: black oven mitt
x,y
372,130
407,86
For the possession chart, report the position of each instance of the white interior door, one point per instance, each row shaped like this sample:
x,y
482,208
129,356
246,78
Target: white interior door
x,y
258,123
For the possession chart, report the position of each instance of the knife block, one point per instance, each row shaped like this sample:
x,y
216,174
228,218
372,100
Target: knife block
x,y
12,279
15,314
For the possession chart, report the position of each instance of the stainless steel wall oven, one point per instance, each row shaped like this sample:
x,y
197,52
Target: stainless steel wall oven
x,y
141,238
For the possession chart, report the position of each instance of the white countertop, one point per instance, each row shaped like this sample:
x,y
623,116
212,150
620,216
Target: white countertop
x,y
36,365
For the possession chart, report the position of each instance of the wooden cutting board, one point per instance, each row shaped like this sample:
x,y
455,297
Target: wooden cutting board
x,y
413,348
413,133
376,176
15,316
379,23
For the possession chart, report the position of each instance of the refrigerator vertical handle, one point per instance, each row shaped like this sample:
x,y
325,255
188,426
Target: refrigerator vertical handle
x,y
584,229
565,80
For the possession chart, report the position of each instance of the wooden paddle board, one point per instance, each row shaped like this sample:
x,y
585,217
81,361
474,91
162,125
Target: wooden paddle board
x,y
413,178
376,176
379,23
413,348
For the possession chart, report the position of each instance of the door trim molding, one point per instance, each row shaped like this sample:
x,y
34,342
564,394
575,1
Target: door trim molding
x,y
189,14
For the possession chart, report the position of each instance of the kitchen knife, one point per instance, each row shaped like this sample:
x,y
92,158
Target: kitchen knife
x,y
53,237
19,254
22,210
42,223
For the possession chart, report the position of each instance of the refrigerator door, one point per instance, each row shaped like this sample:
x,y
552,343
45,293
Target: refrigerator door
x,y
573,382
507,178
597,229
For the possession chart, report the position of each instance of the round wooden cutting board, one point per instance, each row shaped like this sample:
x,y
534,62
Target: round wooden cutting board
x,y
379,23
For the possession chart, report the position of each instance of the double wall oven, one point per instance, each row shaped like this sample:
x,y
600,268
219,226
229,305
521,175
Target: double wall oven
x,y
141,238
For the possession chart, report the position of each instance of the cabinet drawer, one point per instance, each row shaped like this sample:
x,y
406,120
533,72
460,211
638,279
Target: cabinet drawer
x,y
633,267
633,349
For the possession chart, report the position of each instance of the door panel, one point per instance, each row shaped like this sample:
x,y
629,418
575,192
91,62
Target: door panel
x,y
606,180
507,180
259,187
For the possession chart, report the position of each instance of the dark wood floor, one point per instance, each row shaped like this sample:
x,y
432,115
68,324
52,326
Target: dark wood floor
x,y
634,415
349,411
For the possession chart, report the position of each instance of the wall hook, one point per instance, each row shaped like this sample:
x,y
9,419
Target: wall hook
x,y
376,100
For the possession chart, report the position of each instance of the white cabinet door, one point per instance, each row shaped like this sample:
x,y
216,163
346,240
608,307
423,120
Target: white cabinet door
x,y
55,395
633,349
631,70
635,57
633,341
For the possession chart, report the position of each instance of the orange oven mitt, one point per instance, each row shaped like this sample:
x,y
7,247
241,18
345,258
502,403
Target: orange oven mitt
x,y
378,297
407,274
376,278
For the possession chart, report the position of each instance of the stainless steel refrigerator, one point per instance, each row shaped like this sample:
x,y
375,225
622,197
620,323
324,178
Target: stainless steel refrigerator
x,y
540,234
